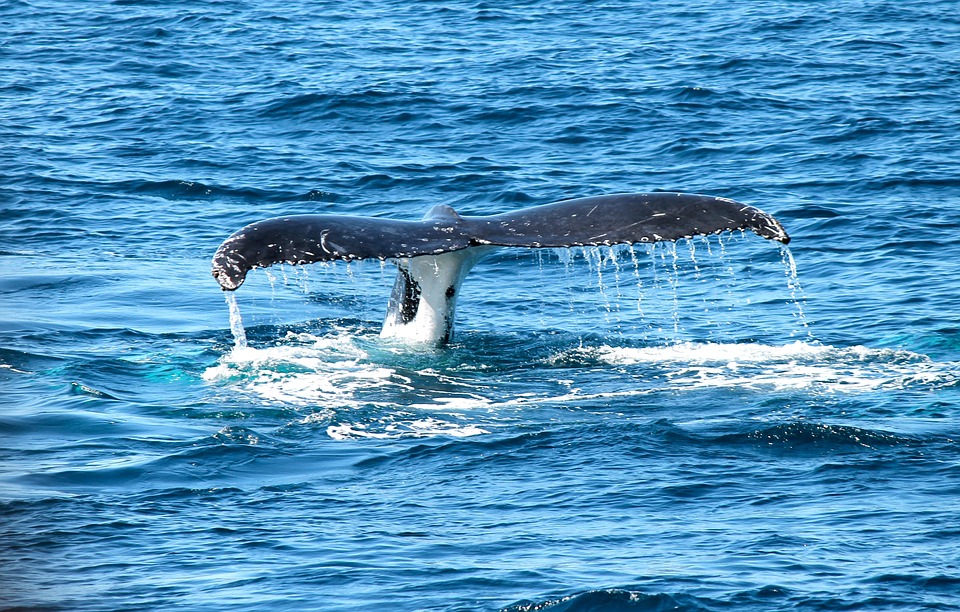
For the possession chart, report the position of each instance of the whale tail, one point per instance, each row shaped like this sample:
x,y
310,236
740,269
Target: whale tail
x,y
435,254
423,303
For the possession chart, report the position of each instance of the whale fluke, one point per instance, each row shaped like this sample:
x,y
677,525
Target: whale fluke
x,y
434,254
594,221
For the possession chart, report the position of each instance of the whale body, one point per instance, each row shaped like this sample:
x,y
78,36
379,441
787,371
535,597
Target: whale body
x,y
435,254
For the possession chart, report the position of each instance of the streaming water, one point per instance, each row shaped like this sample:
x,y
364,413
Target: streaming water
x,y
797,296
236,323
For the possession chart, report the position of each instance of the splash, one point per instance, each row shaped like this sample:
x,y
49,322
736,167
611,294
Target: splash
x,y
804,366
302,370
352,387
349,385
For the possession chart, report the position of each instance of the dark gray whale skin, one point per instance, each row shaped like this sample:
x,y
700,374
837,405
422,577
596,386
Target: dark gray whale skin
x,y
624,218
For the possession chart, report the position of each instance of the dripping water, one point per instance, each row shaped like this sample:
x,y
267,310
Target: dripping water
x,y
566,258
797,297
618,273
596,261
541,286
236,324
674,281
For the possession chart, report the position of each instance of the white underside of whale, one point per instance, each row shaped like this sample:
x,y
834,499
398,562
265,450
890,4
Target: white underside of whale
x,y
422,307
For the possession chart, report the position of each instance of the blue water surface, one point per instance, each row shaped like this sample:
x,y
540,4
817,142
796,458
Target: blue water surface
x,y
717,424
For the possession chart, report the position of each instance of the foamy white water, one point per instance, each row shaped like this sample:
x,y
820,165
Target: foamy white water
x,y
357,387
798,365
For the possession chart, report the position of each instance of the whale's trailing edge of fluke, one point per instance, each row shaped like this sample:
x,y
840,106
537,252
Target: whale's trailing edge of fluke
x,y
601,220
435,254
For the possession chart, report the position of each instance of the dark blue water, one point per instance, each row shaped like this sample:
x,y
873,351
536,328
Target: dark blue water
x,y
690,426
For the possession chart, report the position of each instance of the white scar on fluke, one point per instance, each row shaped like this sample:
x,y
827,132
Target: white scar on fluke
x,y
434,255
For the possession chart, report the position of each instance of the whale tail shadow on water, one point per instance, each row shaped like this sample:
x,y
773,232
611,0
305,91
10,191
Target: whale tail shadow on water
x,y
435,254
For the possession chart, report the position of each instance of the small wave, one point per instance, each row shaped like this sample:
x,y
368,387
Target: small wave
x,y
238,435
612,599
804,433
416,428
330,106
78,388
766,597
188,190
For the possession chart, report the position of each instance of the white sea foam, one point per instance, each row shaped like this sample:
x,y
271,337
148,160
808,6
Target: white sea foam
x,y
798,365
303,370
354,387
334,380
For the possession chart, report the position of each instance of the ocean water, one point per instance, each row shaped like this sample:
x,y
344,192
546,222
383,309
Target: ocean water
x,y
717,424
